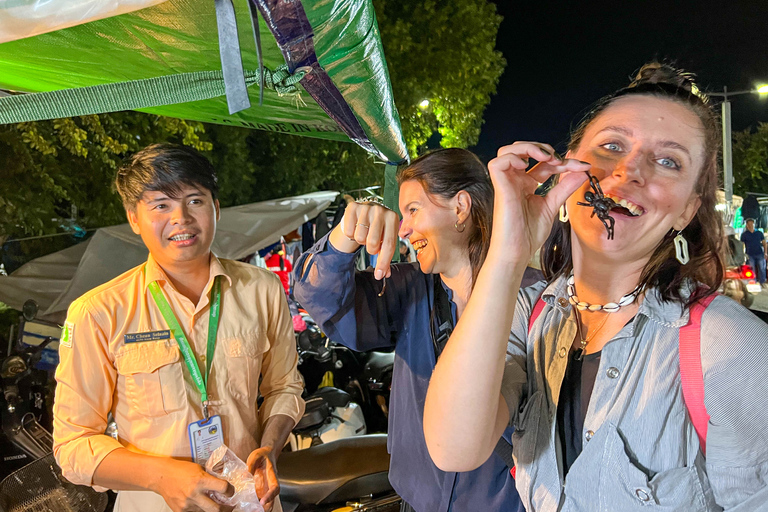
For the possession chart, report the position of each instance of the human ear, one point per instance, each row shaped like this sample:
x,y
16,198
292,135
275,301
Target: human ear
x,y
133,220
694,202
463,205
218,210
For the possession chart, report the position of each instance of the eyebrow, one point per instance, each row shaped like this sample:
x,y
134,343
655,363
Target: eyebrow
x,y
665,143
409,204
166,197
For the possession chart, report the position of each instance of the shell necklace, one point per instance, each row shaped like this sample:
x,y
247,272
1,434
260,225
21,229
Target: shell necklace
x,y
611,307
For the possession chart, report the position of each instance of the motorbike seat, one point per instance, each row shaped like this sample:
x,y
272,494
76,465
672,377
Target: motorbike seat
x,y
319,406
338,471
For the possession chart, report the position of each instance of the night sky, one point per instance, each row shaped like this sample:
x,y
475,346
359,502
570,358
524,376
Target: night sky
x,y
563,56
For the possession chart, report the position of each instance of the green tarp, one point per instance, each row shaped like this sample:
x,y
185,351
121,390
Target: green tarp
x,y
180,36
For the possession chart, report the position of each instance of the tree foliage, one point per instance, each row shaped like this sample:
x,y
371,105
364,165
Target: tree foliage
x,y
51,166
442,51
750,160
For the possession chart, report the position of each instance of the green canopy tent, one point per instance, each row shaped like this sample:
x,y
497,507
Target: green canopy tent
x,y
324,72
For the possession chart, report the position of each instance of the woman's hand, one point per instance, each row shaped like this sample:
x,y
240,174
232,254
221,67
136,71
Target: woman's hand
x,y
372,225
522,220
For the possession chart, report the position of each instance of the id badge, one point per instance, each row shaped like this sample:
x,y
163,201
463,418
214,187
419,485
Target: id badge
x,y
204,437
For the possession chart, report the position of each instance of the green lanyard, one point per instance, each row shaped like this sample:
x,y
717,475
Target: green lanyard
x,y
181,339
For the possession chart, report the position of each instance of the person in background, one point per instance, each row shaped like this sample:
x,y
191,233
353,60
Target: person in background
x,y
178,349
756,250
590,374
280,265
446,199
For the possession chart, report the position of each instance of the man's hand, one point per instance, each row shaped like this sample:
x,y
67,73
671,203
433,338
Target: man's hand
x,y
184,487
261,464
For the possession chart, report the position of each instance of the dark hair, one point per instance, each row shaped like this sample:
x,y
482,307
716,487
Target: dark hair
x,y
445,173
704,233
164,168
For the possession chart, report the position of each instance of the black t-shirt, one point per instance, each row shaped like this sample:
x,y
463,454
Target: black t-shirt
x,y
572,407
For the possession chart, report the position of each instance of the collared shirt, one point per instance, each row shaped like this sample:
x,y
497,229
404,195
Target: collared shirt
x,y
754,242
146,384
640,449
346,304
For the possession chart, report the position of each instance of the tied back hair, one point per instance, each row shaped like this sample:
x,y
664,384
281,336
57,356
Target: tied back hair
x,y
704,233
445,173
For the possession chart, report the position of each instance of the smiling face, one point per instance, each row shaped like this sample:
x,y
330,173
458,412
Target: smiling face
x,y
429,224
647,154
178,231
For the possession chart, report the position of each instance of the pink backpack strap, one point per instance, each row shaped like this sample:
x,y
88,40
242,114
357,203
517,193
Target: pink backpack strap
x,y
691,372
537,309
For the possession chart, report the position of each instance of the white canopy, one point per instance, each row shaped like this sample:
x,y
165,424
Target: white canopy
x,y
57,279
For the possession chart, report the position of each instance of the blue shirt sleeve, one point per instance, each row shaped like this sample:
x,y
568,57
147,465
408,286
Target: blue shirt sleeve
x,y
345,302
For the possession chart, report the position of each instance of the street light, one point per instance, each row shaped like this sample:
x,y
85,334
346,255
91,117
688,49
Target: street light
x,y
424,103
727,151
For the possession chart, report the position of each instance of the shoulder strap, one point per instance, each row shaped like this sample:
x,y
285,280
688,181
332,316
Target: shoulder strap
x,y
537,309
691,372
442,315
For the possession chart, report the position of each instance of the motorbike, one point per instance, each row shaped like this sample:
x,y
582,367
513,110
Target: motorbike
x,y
332,464
365,376
31,480
345,475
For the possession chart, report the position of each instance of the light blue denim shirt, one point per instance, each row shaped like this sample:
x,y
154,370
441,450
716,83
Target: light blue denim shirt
x,y
641,451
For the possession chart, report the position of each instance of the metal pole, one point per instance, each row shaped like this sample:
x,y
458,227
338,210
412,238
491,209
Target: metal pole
x,y
727,154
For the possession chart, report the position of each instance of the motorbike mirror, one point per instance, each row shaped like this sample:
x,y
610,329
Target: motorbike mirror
x,y
29,310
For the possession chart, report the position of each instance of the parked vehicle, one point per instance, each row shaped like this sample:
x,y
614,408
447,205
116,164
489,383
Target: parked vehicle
x,y
31,480
739,283
345,475
366,377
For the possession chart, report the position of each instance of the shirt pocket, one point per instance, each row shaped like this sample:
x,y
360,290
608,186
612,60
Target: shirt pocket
x,y
244,357
624,485
153,376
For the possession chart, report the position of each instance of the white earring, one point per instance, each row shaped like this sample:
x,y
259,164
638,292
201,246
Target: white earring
x,y
563,214
681,249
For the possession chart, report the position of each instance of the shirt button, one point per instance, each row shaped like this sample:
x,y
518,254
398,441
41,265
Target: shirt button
x,y
612,372
562,352
562,302
588,435
642,494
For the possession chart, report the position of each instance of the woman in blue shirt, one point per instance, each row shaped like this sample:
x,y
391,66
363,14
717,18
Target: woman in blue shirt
x,y
446,199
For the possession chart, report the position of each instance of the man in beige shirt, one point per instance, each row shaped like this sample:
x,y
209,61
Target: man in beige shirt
x,y
121,354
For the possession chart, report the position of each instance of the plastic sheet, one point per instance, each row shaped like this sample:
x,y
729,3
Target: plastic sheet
x,y
180,36
33,17
224,464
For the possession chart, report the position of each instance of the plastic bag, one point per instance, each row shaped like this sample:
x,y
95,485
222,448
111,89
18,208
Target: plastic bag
x,y
28,18
224,464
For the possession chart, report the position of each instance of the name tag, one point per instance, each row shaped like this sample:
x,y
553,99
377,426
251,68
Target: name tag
x,y
204,437
146,336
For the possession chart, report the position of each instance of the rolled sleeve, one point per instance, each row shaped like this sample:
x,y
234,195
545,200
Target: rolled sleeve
x,y
281,384
85,382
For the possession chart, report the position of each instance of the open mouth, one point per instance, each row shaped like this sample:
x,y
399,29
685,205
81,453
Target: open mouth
x,y
418,245
625,207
